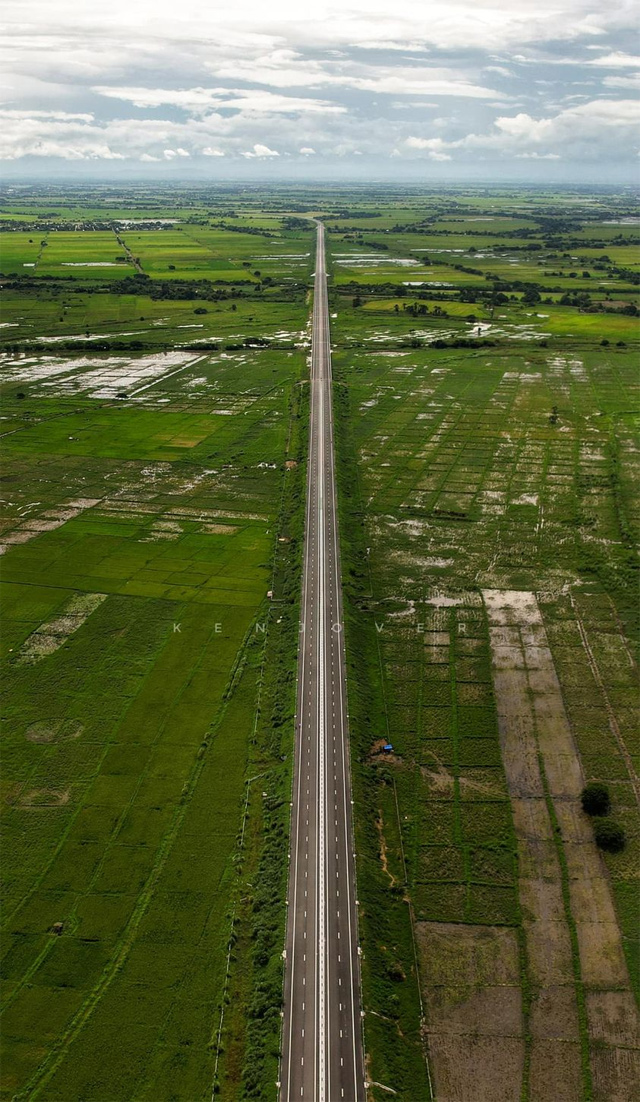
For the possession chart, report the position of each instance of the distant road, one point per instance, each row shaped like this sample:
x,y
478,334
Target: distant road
x,y
322,1057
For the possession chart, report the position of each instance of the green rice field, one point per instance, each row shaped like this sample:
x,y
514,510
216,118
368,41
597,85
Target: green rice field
x,y
154,350
488,445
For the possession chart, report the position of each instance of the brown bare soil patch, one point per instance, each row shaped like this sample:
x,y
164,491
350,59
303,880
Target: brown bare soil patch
x,y
615,1069
71,728
44,797
476,782
220,529
547,1056
54,730
533,725
485,1069
471,985
50,636
51,519
383,850
378,755
441,781
42,732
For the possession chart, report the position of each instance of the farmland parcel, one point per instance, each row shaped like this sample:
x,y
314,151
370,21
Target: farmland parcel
x,y
153,433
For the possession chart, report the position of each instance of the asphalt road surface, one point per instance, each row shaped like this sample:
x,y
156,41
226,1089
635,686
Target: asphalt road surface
x,y
322,1055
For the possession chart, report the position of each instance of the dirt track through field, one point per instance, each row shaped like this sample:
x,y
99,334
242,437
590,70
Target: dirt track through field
x,y
538,748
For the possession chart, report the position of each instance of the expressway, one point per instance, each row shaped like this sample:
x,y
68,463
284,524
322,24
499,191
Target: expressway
x,y
322,1052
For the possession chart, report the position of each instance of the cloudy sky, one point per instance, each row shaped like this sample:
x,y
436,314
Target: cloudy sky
x,y
418,89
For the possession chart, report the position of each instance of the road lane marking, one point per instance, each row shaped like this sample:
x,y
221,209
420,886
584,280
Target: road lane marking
x,y
321,578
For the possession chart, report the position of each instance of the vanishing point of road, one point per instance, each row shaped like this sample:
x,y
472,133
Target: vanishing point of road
x,y
322,1052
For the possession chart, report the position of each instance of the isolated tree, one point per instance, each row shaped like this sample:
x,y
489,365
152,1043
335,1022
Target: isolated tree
x,y
595,798
609,835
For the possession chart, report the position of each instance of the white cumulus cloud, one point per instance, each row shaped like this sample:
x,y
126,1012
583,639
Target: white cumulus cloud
x,y
581,130
201,100
261,151
359,79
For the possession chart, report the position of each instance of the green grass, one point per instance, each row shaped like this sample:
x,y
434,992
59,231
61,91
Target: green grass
x,y
127,749
453,478
164,323
19,251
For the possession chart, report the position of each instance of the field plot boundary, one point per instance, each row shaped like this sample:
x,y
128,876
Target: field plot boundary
x,y
581,996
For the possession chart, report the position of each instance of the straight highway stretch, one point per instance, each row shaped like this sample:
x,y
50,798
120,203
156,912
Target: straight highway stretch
x,y
322,1052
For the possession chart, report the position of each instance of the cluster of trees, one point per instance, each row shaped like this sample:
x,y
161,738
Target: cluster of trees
x,y
462,342
388,290
583,301
627,275
596,802
146,225
72,344
415,227
177,289
441,342
346,213
254,231
500,294
44,224
595,242
293,223
469,271
24,284
114,344
419,309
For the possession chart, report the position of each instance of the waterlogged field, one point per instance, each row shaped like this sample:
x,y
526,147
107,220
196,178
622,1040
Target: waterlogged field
x,y
153,352
136,321
489,460
153,436
145,284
